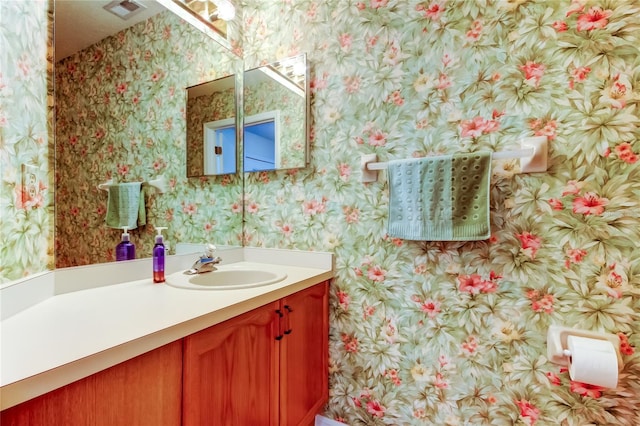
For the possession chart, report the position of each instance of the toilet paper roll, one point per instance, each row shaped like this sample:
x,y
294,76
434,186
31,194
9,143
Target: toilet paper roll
x,y
593,361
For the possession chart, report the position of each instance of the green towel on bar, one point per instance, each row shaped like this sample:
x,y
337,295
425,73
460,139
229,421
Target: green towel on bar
x,y
126,206
443,198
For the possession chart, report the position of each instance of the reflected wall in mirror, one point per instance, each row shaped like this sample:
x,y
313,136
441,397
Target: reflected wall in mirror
x,y
211,128
120,114
276,111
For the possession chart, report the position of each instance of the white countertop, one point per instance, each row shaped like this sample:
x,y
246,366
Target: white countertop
x,y
72,335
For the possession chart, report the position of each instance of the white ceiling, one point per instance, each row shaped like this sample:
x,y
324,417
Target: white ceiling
x,y
80,23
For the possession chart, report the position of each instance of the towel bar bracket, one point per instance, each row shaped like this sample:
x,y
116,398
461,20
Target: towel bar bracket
x,y
369,174
538,161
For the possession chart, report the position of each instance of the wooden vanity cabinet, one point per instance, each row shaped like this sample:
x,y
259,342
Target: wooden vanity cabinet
x,y
145,390
304,352
265,367
230,371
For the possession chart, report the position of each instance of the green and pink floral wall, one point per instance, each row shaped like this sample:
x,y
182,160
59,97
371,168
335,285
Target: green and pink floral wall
x,y
26,208
426,333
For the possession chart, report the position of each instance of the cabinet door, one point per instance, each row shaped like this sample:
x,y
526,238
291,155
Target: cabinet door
x,y
145,390
231,371
304,384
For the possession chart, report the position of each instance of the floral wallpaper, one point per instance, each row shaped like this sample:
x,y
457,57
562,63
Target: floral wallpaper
x,y
121,115
200,110
422,333
426,333
268,96
26,208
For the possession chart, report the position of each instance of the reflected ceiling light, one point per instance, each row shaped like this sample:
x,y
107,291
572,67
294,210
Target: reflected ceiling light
x,y
283,80
299,68
226,11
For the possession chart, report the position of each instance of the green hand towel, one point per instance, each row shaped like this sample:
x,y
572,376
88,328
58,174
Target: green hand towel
x,y
126,206
443,198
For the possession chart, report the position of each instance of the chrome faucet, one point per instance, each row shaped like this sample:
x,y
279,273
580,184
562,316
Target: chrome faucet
x,y
206,262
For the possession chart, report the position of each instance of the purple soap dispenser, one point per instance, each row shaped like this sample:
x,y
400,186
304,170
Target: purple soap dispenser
x,y
158,256
125,250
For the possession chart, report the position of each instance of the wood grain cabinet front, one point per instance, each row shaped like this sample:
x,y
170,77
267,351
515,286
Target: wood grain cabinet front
x,y
230,371
144,391
267,367
304,386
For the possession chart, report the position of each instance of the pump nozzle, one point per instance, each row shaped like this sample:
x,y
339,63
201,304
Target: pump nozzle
x,y
125,234
159,233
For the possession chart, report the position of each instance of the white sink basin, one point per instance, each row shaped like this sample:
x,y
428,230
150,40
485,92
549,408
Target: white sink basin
x,y
225,279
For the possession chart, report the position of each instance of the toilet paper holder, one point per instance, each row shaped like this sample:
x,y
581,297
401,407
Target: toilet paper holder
x,y
557,343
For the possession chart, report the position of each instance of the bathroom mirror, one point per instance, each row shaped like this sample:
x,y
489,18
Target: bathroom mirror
x,y
120,103
275,126
276,111
211,128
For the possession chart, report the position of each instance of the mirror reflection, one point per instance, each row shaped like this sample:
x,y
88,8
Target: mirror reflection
x,y
276,128
120,117
262,141
211,128
276,106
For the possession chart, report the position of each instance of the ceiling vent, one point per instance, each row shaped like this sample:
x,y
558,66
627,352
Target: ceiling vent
x,y
125,9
